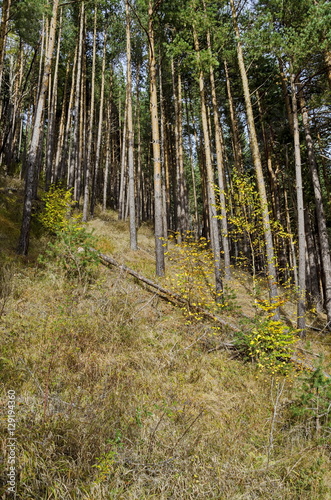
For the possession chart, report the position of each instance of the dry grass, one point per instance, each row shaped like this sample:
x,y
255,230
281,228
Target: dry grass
x,y
119,399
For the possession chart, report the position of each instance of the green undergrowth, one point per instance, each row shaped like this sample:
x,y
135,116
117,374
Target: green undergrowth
x,y
119,396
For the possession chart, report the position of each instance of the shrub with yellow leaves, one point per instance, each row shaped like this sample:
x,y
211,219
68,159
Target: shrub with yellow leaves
x,y
192,277
56,214
70,250
269,343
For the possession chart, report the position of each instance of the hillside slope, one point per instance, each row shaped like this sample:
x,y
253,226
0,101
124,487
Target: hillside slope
x,y
119,397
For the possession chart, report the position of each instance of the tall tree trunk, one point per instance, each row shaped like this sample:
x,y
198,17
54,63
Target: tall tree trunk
x,y
179,161
327,59
3,37
91,122
213,222
108,148
138,155
220,169
314,296
271,264
320,212
301,306
130,135
196,224
237,151
74,157
121,198
23,244
100,123
52,114
158,205
164,158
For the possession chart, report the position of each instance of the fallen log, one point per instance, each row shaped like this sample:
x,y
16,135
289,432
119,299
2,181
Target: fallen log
x,y
178,299
167,294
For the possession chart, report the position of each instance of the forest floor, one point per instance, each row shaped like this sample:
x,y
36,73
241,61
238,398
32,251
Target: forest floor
x,y
119,396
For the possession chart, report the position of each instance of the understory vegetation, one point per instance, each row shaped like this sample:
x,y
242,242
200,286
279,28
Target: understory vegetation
x,y
122,395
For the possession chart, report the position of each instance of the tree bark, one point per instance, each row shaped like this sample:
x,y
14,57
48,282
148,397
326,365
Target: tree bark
x,y
213,222
91,123
237,151
75,159
5,10
30,182
320,212
100,123
158,205
271,263
301,297
52,114
130,134
220,170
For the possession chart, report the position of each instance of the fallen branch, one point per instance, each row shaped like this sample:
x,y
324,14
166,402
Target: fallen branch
x,y
167,294
175,298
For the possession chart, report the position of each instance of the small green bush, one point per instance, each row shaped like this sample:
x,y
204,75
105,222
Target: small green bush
x,y
73,252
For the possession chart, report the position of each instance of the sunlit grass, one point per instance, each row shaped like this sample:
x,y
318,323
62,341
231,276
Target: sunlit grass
x,y
119,398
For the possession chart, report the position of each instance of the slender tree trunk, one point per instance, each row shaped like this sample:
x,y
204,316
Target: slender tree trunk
x,y
108,148
138,155
301,307
271,263
23,244
91,122
220,170
81,157
196,224
3,33
75,160
66,156
100,123
158,225
180,178
213,222
130,135
121,198
237,151
52,113
327,59
164,159
314,295
320,212
60,139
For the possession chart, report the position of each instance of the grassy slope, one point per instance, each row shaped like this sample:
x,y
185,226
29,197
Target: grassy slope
x,y
119,399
